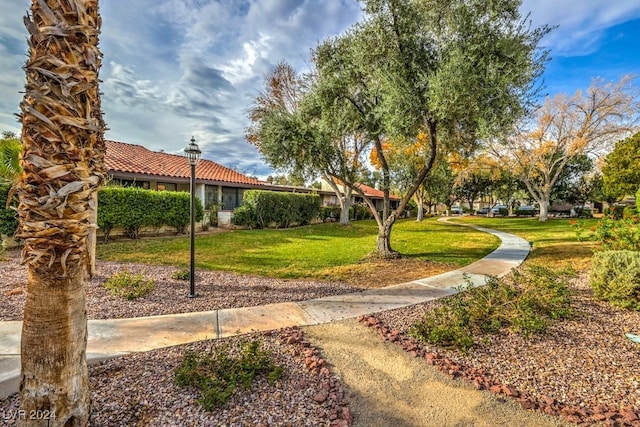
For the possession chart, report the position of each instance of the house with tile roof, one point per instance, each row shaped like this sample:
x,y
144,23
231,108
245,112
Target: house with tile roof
x,y
135,165
376,196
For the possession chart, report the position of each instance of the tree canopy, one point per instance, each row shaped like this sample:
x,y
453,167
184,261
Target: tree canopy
x,y
565,127
621,169
453,71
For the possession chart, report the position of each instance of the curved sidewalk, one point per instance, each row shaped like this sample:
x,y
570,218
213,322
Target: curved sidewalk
x,y
110,338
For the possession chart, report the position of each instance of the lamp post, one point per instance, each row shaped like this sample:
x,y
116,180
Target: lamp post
x,y
192,154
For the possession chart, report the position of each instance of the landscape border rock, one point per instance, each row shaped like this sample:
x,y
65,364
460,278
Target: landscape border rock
x,y
609,415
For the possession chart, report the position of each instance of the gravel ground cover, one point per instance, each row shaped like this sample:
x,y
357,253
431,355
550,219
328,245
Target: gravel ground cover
x,y
584,369
216,290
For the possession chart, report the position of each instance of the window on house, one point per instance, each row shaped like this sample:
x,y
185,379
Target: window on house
x,y
132,183
167,186
211,196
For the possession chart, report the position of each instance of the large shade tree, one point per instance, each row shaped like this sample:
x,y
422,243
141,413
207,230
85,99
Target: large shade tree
x,y
281,131
565,127
62,135
455,71
621,169
452,70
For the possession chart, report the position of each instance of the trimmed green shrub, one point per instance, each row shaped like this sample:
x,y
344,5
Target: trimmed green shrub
x,y
244,216
583,212
360,211
524,304
8,217
330,213
127,285
615,277
216,376
267,208
619,234
178,211
134,208
629,211
615,211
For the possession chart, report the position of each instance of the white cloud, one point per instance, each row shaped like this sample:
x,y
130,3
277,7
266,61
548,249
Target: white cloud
x,y
177,68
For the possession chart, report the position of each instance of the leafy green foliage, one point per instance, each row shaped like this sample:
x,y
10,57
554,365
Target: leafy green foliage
x,y
8,217
135,208
10,149
183,274
621,171
619,234
453,71
129,286
615,277
264,208
217,375
575,181
524,304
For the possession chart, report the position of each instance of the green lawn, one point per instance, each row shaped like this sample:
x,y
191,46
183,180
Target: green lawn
x,y
311,251
555,242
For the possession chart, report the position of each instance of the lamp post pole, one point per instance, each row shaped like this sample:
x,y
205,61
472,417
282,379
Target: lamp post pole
x,y
192,153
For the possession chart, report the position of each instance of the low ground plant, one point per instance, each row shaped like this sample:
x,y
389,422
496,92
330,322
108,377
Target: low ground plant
x,y
618,233
525,303
615,277
128,285
217,375
182,274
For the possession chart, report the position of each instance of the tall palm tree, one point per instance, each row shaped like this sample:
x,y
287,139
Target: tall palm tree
x,y
63,166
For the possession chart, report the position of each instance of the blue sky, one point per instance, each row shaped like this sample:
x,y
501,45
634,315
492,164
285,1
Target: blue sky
x,y
177,68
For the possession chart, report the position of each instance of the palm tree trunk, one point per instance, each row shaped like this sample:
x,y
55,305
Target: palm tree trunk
x,y
63,167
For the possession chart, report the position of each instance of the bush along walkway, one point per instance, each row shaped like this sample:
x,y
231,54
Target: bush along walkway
x,y
110,338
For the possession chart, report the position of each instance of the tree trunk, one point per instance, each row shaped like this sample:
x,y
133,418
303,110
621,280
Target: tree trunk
x,y
544,208
345,205
63,167
420,215
55,380
384,239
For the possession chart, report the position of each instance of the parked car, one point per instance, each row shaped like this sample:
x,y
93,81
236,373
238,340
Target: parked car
x,y
483,211
455,210
500,210
526,211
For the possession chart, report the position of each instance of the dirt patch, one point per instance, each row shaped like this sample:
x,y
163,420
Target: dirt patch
x,y
377,273
388,387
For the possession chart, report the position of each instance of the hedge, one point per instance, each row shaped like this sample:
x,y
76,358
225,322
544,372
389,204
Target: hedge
x,y
8,217
615,277
263,209
134,208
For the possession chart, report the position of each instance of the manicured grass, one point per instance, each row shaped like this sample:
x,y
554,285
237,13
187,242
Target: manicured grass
x,y
555,242
312,251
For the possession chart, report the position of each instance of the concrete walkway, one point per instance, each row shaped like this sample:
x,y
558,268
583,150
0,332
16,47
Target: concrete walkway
x,y
110,338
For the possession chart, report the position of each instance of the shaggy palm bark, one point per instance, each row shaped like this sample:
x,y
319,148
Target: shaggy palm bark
x,y
63,164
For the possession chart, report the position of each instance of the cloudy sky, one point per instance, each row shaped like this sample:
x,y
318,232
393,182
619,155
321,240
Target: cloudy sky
x,y
177,68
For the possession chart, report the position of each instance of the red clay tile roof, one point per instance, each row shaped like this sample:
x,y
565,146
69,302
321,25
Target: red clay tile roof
x,y
136,159
372,192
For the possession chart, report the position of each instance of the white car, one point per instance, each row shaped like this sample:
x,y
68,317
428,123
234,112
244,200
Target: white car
x,y
455,210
